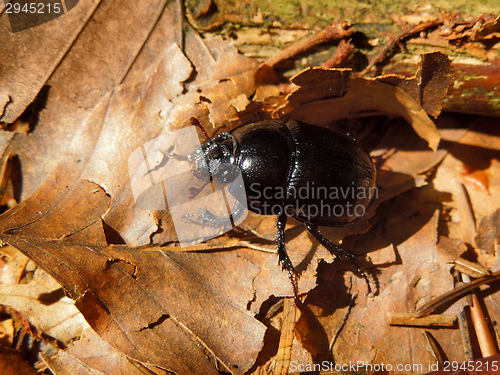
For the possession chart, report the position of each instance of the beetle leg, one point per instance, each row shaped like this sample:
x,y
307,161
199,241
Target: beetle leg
x,y
284,259
337,251
207,217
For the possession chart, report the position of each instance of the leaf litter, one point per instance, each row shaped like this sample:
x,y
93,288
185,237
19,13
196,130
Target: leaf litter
x,y
192,312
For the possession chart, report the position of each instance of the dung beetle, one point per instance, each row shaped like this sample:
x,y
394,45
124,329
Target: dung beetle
x,y
316,175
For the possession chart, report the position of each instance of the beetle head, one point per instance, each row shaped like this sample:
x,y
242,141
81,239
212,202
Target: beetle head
x,y
216,159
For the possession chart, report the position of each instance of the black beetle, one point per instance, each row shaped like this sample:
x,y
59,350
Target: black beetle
x,y
313,174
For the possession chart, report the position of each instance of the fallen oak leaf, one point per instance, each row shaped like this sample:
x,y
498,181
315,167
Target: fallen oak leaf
x,y
65,226
91,354
326,95
43,300
150,305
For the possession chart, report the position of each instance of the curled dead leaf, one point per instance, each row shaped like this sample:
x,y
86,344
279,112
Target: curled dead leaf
x,y
325,95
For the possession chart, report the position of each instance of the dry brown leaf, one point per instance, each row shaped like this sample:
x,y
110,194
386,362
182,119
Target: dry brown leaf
x,y
87,202
90,355
13,264
194,312
93,186
478,149
371,97
488,232
318,84
48,309
403,285
12,362
82,64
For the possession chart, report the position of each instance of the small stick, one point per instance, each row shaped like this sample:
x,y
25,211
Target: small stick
x,y
342,53
453,294
437,320
403,34
335,30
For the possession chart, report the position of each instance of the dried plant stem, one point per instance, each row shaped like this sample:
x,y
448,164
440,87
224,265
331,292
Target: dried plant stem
x,y
342,53
486,343
403,34
438,320
335,30
452,295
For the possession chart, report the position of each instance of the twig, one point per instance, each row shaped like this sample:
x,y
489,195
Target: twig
x,y
342,53
438,320
403,34
335,30
458,292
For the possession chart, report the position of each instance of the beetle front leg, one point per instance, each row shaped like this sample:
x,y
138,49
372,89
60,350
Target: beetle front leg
x,y
284,259
337,251
208,218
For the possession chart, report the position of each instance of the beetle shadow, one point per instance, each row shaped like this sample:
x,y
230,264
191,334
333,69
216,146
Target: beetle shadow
x,y
330,295
313,336
397,218
395,221
333,295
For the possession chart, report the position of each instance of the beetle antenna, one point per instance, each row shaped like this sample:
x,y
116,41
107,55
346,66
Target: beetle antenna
x,y
196,122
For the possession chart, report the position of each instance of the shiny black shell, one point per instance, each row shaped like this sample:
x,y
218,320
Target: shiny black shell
x,y
312,173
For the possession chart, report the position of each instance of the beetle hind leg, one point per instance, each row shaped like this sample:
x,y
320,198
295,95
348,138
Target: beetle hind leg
x,y
284,259
337,251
